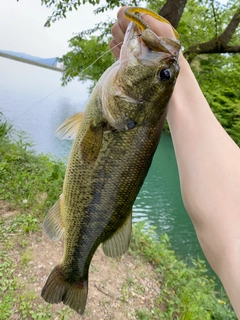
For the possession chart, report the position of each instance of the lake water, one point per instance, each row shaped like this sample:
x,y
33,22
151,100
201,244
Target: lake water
x,y
23,92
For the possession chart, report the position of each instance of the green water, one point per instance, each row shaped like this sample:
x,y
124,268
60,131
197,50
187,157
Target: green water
x,y
160,202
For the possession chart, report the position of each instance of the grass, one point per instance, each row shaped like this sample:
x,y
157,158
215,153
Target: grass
x,y
31,183
186,292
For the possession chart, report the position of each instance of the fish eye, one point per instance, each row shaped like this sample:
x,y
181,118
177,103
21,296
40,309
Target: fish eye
x,y
164,74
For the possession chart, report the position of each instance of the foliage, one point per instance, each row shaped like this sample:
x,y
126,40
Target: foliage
x,y
5,128
78,62
8,285
31,183
203,20
185,291
64,6
218,74
27,174
10,297
218,77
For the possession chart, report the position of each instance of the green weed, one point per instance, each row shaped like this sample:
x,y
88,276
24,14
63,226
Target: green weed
x,y
186,293
26,257
8,285
29,310
29,181
143,314
125,292
5,128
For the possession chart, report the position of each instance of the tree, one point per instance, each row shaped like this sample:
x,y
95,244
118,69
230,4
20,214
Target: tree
x,y
210,37
207,26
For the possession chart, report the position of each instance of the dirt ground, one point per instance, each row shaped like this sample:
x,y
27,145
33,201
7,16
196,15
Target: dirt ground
x,y
117,287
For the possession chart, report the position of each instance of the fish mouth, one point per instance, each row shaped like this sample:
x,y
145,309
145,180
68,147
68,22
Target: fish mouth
x,y
144,43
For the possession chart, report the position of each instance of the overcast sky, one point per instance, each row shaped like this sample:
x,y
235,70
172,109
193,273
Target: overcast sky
x,y
22,27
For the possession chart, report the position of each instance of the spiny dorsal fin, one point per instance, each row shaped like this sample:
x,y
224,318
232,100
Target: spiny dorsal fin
x,y
91,143
118,244
53,222
69,128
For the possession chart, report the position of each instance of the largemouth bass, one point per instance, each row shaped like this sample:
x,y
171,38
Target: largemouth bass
x,y
116,138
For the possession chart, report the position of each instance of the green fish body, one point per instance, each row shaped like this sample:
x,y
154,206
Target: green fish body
x,y
116,138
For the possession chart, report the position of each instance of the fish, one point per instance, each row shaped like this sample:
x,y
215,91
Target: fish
x,y
115,139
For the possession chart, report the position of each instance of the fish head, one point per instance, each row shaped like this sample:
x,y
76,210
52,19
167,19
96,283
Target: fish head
x,y
142,79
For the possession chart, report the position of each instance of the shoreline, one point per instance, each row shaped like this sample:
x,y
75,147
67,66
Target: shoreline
x,y
34,63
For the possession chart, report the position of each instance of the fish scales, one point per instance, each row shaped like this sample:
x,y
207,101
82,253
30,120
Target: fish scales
x,y
116,138
109,196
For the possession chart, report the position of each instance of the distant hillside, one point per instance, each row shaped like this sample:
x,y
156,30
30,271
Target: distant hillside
x,y
48,61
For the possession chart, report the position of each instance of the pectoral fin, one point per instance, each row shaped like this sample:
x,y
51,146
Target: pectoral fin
x,y
69,128
91,143
53,222
118,244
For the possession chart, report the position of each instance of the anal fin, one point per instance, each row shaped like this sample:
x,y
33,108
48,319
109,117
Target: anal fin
x,y
118,244
53,222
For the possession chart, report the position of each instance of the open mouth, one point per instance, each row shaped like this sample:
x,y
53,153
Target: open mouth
x,y
139,31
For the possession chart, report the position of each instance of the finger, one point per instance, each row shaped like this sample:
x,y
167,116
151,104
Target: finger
x,y
119,29
115,49
118,34
122,20
116,43
159,27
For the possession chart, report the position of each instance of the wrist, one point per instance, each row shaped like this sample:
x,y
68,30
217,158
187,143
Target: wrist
x,y
187,99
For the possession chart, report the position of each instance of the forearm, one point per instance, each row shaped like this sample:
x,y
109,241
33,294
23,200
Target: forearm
x,y
208,159
209,168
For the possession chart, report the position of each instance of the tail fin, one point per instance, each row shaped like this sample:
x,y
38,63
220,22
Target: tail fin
x,y
57,289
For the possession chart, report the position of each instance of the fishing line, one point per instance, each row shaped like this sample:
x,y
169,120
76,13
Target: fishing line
x,y
61,86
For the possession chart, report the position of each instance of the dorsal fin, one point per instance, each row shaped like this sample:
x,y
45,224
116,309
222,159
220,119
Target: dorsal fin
x,y
69,128
118,244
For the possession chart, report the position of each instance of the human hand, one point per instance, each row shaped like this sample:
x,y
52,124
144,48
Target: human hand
x,y
120,27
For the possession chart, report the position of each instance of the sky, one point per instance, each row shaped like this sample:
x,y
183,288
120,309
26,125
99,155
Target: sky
x,y
22,27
